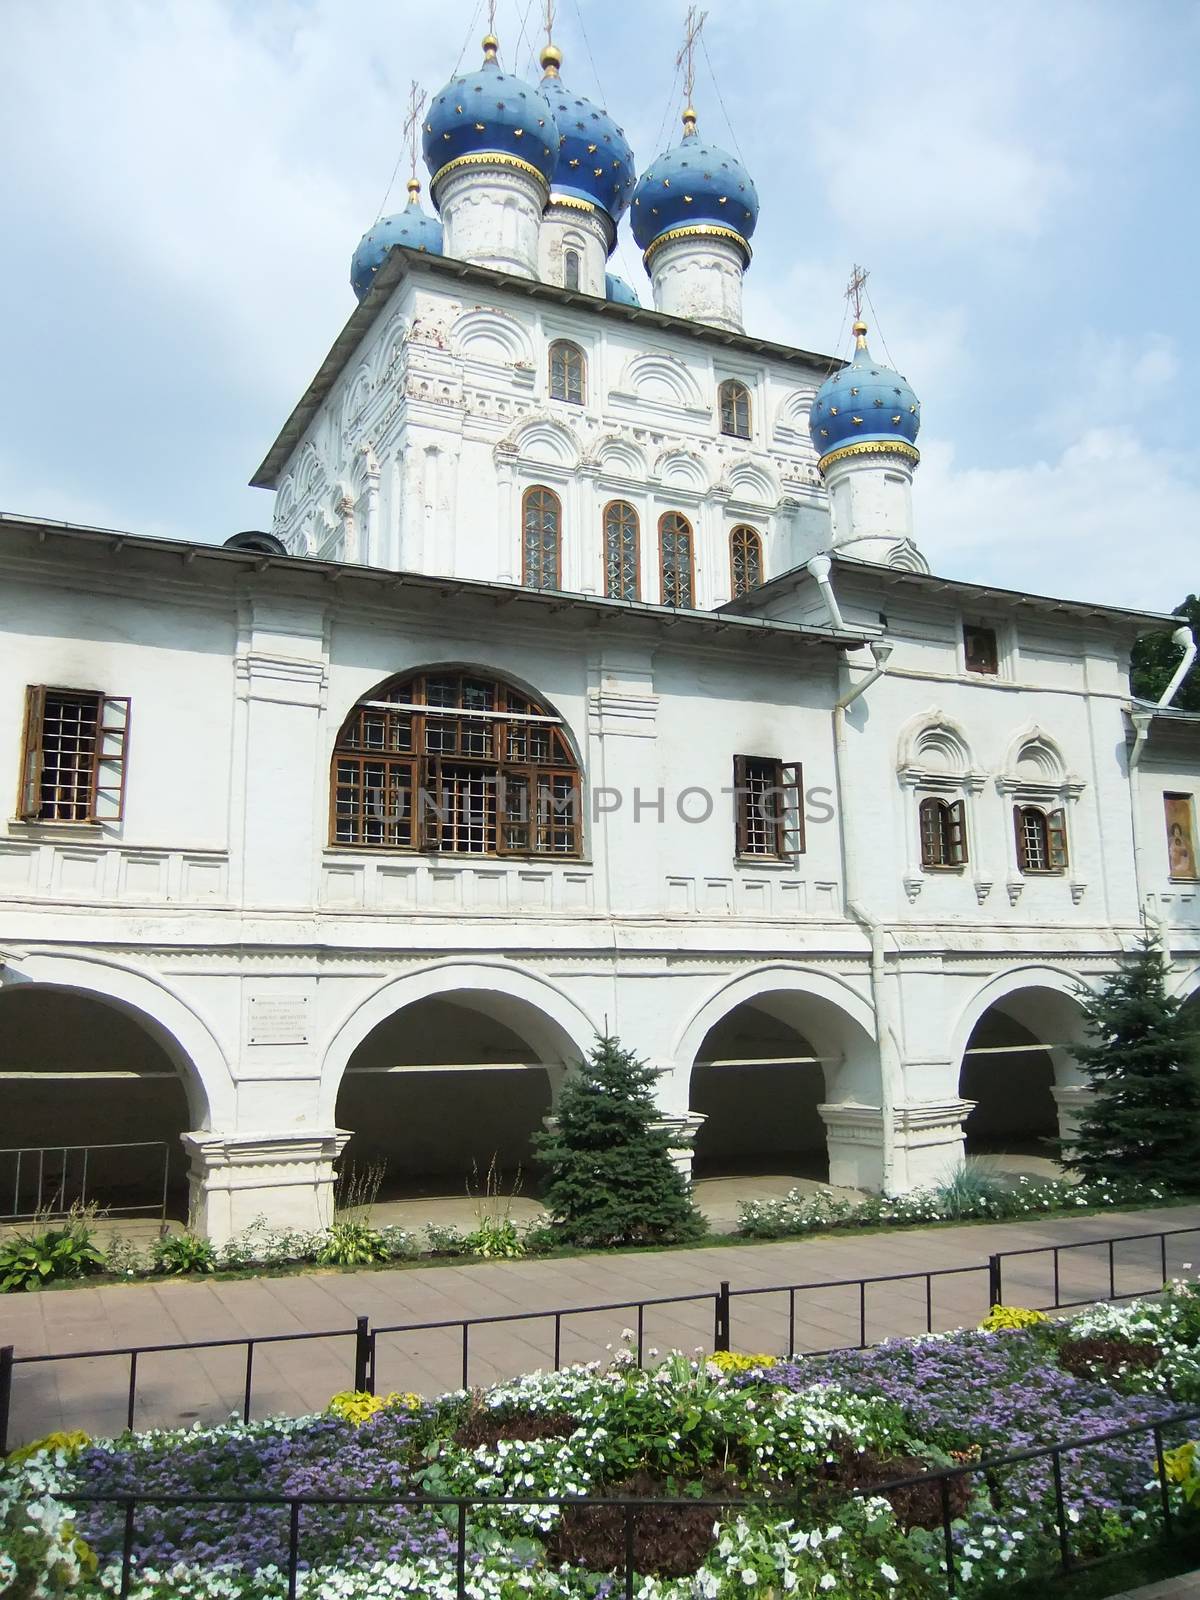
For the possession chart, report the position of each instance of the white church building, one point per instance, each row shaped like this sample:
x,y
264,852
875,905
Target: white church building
x,y
591,680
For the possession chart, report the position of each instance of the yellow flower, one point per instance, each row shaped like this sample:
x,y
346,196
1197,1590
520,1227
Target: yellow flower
x,y
72,1442
1002,1317
356,1406
728,1361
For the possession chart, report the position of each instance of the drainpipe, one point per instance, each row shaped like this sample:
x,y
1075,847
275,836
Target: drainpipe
x,y
819,568
890,1066
1181,636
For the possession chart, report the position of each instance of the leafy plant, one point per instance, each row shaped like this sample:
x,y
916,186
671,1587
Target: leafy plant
x,y
611,1179
1001,1317
969,1193
1142,1067
495,1235
179,1253
351,1244
495,1241
30,1260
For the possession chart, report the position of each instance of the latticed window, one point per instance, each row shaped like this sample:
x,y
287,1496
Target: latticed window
x,y
745,560
1041,839
541,539
735,408
768,807
452,762
620,551
943,833
566,371
73,762
675,559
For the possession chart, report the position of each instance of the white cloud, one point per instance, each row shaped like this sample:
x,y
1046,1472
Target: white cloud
x,y
1109,519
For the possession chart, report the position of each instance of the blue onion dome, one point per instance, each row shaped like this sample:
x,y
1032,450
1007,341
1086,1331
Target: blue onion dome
x,y
595,162
617,289
489,117
413,227
864,406
694,188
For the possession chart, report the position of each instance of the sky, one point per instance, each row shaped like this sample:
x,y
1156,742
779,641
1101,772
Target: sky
x,y
183,182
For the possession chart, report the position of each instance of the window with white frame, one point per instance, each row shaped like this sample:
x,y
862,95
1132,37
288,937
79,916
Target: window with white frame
x,y
1041,793
940,784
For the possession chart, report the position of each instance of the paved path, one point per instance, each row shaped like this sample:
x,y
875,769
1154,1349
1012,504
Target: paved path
x,y
1185,1587
297,1377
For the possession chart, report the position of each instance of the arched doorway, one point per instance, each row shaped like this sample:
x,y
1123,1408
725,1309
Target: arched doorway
x,y
757,1082
1018,1068
77,1074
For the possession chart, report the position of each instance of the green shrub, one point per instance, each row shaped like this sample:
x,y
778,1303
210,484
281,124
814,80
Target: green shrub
x,y
495,1240
178,1253
351,1244
970,1193
29,1260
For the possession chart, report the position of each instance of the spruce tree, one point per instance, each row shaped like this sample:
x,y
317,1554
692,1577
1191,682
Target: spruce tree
x,y
1144,1119
611,1180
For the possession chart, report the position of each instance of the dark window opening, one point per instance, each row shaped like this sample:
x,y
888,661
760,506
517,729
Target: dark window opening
x,y
1041,839
768,807
74,756
943,833
980,650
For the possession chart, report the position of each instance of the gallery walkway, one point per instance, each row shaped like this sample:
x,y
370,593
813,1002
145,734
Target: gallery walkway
x,y
176,1388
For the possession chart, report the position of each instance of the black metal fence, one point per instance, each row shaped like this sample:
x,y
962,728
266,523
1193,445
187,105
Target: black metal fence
x,y
363,1338
1056,1517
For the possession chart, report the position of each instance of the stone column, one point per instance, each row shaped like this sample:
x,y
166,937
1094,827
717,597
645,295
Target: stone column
x,y
286,1178
699,276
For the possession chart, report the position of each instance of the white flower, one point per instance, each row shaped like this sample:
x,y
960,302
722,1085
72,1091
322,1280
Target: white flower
x,y
828,1581
889,1572
749,1576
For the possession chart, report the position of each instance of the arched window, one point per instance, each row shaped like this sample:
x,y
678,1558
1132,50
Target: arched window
x,y
745,560
943,833
620,551
455,762
675,559
735,408
1041,838
566,372
541,538
570,269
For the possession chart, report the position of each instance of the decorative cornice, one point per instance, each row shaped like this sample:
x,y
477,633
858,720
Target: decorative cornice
x,y
489,158
570,202
871,447
710,230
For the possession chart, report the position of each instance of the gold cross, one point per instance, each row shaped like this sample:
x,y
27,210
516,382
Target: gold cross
x,y
687,55
416,104
854,289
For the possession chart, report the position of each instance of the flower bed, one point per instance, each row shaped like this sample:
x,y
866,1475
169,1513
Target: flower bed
x,y
793,1441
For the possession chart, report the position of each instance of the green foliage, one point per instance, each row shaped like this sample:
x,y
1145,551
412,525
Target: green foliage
x,y
610,1177
1156,656
30,1260
351,1244
1144,1118
968,1193
183,1252
495,1240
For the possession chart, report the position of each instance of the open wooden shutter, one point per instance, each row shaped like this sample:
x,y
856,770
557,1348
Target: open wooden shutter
x,y
957,819
791,821
1056,839
29,800
1019,825
741,806
108,771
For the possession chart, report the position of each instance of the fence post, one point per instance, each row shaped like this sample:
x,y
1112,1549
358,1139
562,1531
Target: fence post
x,y
721,1318
995,1287
363,1375
6,1376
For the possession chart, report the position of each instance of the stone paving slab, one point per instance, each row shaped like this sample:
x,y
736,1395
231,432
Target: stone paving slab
x,y
1184,1587
178,1387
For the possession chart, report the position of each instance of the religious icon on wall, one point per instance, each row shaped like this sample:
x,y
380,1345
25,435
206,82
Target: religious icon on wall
x,y
1181,850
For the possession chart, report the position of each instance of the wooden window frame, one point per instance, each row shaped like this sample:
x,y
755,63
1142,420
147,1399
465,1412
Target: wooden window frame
x,y
980,630
750,539
451,753
104,769
618,506
735,394
567,352
944,847
761,834
1052,823
685,527
541,489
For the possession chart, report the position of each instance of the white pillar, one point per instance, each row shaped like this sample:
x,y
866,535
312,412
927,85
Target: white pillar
x,y
287,1178
492,213
699,276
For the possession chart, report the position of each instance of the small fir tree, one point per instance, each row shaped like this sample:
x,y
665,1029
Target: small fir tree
x,y
611,1180
1141,1065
